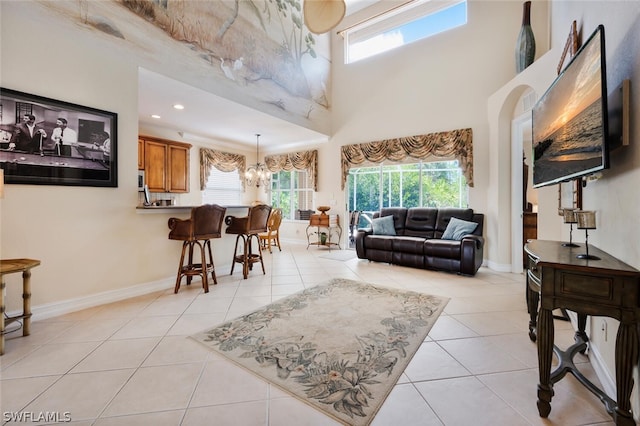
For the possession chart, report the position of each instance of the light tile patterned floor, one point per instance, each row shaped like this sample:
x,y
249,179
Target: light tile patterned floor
x,y
130,363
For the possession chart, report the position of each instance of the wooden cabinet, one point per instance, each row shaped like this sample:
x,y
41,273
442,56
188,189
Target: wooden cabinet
x,y
166,165
140,154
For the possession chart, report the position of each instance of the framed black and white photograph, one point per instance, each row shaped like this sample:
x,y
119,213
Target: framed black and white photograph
x,y
45,141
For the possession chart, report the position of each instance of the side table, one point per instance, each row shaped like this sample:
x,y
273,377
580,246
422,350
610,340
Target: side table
x,y
327,224
11,266
556,278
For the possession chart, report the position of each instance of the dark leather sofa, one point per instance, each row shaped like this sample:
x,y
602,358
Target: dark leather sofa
x,y
417,242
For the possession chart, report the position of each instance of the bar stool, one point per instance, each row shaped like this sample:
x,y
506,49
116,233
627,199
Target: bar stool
x,y
205,224
248,228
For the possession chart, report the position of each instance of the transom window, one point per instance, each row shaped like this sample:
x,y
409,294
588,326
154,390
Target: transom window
x,y
292,192
424,184
402,25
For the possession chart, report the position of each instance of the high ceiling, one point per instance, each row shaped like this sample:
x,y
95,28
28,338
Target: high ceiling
x,y
209,117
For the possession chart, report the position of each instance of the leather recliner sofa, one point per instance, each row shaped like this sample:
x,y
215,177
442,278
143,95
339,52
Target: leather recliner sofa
x,y
418,241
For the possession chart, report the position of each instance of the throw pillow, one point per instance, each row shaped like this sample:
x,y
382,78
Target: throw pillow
x,y
383,226
458,228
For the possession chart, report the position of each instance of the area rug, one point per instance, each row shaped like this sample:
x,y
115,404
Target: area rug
x,y
339,346
342,255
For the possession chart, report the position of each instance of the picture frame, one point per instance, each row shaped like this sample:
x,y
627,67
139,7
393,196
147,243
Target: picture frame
x,y
45,141
569,195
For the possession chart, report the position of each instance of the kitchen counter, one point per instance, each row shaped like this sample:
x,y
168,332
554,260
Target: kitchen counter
x,y
176,209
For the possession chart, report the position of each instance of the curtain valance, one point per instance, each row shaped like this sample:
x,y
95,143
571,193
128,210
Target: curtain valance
x,y
305,160
222,161
455,143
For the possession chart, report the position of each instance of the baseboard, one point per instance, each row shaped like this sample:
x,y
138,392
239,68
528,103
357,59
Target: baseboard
x,y
498,267
50,310
606,380
64,307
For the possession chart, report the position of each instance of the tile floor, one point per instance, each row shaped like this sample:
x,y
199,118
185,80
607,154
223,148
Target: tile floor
x,y
130,363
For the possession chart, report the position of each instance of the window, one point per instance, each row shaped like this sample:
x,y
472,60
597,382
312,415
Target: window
x,y
402,25
292,192
424,184
223,188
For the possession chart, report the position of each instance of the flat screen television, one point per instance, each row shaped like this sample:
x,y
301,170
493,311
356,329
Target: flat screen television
x,y
569,122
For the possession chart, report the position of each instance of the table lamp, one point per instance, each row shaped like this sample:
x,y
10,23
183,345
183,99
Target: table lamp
x,y
570,218
586,221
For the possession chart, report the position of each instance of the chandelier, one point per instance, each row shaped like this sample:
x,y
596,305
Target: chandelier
x,y
257,174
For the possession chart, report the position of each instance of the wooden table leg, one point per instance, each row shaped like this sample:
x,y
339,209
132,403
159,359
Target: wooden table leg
x,y
532,305
626,358
26,302
545,336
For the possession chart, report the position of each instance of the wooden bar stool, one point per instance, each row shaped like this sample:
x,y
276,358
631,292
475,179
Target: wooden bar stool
x,y
204,225
247,228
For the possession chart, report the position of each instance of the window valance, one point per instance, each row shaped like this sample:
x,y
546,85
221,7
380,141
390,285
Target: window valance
x,y
455,143
305,160
222,161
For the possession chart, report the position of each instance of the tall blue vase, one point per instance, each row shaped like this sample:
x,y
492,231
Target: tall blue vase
x,y
526,45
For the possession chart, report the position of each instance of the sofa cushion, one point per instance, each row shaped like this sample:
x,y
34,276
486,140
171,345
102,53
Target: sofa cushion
x,y
445,215
447,249
399,217
421,222
458,228
380,242
413,245
383,226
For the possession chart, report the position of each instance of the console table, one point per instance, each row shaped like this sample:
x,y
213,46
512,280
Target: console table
x,y
11,266
605,287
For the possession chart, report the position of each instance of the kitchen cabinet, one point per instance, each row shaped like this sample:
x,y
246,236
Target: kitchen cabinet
x,y
140,154
166,165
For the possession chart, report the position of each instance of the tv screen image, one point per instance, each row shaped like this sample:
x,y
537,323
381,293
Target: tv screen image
x,y
570,119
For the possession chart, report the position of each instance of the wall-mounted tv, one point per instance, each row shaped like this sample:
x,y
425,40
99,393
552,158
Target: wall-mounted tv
x,y
570,125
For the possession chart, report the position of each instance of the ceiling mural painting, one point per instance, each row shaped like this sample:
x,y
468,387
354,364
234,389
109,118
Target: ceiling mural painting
x,y
254,52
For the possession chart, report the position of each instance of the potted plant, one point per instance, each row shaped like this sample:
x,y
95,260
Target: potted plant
x,y
323,238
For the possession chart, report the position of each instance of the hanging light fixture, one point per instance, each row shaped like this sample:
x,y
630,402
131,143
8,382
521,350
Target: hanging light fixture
x,y
320,16
257,174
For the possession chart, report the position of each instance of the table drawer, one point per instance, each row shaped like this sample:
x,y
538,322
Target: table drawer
x,y
533,269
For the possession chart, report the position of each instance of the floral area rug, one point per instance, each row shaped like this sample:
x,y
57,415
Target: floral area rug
x,y
340,346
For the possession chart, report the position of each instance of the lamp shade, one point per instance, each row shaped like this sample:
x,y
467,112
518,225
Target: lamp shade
x,y
570,215
321,16
586,219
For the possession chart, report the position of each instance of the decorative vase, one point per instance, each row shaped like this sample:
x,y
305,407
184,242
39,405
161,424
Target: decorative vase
x,y
323,238
526,45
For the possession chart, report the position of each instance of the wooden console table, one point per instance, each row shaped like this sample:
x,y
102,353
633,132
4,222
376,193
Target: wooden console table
x,y
11,266
605,287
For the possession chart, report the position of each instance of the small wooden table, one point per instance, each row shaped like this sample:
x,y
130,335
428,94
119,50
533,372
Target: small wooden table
x,y
327,224
605,287
11,266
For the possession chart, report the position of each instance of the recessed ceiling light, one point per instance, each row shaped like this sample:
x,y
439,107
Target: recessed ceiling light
x,y
178,106
155,116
